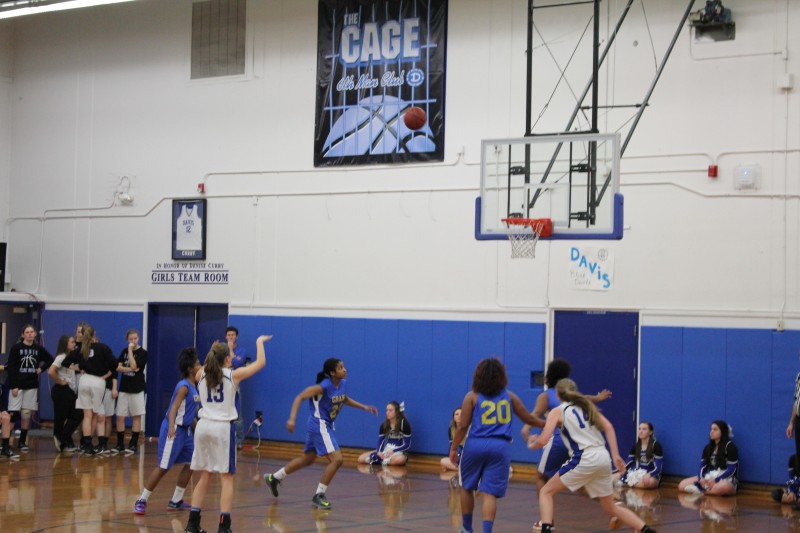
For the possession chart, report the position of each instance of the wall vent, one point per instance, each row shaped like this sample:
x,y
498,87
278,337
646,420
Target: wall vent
x,y
218,38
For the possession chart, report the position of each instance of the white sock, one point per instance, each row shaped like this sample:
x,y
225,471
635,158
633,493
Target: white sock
x,y
178,494
321,488
280,474
145,494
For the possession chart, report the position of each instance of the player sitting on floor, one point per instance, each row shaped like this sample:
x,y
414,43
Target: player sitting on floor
x,y
394,439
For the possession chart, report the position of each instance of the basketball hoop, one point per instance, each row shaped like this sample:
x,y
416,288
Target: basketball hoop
x,y
524,234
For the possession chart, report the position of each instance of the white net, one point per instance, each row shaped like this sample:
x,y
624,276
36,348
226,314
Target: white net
x,y
523,239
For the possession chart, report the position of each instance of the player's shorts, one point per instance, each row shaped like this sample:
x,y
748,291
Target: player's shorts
x,y
320,438
91,392
130,404
25,399
554,454
484,465
214,446
109,403
590,469
175,451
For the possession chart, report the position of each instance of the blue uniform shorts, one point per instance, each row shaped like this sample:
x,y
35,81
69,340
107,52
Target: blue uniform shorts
x,y
176,451
321,438
555,455
484,465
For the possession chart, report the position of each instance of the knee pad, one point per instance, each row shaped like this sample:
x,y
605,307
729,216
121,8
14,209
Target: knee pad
x,y
26,414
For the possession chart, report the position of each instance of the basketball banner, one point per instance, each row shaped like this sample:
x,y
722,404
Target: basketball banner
x,y
380,81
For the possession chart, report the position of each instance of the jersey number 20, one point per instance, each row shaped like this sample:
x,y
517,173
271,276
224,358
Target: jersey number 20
x,y
502,408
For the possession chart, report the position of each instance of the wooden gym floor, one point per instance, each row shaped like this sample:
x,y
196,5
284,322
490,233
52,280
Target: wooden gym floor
x,y
46,491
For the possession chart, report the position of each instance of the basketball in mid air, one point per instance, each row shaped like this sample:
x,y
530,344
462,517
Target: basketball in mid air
x,y
414,118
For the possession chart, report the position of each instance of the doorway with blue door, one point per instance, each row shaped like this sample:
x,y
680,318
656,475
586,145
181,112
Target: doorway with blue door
x,y
603,349
170,328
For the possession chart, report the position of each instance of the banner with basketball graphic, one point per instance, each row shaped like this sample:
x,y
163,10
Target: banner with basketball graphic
x,y
380,81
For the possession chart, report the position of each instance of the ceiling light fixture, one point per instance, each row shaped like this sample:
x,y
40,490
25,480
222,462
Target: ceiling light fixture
x,y
18,8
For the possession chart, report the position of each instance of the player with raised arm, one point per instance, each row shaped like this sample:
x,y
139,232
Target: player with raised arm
x,y
215,439
554,453
325,399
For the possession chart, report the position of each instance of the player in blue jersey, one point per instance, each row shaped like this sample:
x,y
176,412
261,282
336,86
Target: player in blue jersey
x,y
644,464
325,399
554,453
176,440
486,457
589,466
394,439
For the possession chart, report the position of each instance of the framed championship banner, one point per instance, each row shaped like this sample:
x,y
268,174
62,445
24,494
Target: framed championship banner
x,y
380,82
189,229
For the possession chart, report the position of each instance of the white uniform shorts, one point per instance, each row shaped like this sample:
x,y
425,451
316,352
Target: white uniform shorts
x,y
592,471
91,392
214,446
25,399
109,403
130,404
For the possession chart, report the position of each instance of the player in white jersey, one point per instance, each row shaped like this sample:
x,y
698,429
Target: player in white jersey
x,y
190,231
214,440
589,466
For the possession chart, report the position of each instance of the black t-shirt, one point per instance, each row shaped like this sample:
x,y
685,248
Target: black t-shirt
x,y
101,360
133,382
23,361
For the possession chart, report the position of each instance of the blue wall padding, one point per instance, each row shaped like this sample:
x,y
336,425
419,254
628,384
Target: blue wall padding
x,y
688,378
450,343
415,381
783,369
661,389
748,385
426,364
704,393
692,376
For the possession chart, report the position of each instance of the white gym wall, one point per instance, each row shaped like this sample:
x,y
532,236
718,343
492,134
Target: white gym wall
x,y
89,96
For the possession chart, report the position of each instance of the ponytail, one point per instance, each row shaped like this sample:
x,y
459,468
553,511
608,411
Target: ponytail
x,y
215,362
86,342
328,367
568,392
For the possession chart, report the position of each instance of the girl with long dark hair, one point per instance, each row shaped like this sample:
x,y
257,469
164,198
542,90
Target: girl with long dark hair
x,y
394,439
66,417
486,457
719,464
644,464
325,399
